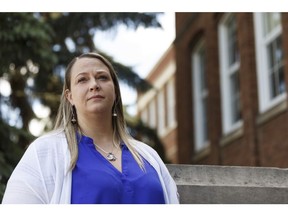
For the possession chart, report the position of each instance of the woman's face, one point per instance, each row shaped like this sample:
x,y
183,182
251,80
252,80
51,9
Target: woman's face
x,y
92,89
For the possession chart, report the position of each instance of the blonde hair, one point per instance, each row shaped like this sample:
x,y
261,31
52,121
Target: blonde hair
x,y
64,115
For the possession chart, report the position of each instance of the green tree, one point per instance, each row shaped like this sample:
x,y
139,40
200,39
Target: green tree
x,y
34,53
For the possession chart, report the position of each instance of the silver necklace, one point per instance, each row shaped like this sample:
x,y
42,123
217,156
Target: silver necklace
x,y
110,156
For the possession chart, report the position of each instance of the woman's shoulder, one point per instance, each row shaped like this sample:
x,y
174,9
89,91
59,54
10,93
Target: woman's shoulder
x,y
56,134
140,144
143,147
51,139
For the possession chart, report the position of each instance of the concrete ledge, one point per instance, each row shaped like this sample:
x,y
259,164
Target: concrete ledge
x,y
199,184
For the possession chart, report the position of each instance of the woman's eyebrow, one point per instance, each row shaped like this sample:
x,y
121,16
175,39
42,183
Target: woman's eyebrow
x,y
98,72
81,73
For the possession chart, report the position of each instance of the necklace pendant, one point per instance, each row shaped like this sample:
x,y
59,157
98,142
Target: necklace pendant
x,y
111,157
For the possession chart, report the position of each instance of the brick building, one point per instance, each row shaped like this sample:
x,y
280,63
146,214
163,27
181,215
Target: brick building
x,y
157,107
225,76
231,88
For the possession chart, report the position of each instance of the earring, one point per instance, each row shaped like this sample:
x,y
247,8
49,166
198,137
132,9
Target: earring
x,y
73,120
114,114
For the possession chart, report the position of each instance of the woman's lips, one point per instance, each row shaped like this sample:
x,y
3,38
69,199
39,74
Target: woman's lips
x,y
96,97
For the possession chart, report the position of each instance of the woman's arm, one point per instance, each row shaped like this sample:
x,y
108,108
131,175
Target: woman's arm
x,y
26,184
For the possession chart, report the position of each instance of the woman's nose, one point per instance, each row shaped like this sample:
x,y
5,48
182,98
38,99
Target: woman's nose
x,y
94,86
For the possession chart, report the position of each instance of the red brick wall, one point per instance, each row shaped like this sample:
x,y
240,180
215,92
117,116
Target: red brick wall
x,y
162,64
263,144
273,140
169,142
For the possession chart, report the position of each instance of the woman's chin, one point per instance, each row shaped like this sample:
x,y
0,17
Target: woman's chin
x,y
99,110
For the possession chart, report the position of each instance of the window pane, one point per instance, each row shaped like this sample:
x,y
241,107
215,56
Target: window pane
x,y
200,98
161,112
280,65
279,51
282,85
273,91
232,41
270,55
152,114
204,119
271,20
203,90
202,69
171,102
235,97
276,68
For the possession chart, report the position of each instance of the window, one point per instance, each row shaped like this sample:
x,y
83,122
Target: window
x,y
161,111
270,59
200,98
144,116
152,114
229,72
171,119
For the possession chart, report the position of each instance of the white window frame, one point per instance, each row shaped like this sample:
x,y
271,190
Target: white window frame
x,y
171,104
144,116
152,114
261,42
200,142
161,112
225,71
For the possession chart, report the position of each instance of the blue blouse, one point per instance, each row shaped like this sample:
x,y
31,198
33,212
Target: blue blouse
x,y
96,181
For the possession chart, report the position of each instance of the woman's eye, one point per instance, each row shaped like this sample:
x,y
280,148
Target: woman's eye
x,y
83,79
103,78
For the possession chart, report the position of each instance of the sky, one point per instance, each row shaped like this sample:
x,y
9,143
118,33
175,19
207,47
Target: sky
x,y
140,49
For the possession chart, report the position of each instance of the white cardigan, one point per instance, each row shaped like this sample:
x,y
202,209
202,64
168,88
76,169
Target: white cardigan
x,y
42,174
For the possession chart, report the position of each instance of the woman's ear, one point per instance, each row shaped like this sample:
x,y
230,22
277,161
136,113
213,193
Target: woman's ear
x,y
68,95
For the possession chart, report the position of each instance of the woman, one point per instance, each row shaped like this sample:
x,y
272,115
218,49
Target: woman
x,y
89,157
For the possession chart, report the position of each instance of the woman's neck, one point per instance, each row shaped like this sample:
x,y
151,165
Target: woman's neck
x,y
99,128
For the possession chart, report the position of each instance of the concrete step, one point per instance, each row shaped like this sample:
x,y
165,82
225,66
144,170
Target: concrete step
x,y
201,184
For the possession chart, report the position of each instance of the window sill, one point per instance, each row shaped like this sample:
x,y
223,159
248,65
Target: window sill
x,y
202,153
272,112
236,134
167,130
